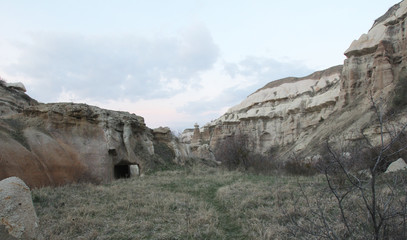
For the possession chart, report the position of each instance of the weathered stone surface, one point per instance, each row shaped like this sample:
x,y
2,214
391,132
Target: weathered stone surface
x,y
180,151
66,142
13,101
297,115
368,43
162,130
276,114
17,214
203,151
4,235
59,143
398,165
186,135
17,85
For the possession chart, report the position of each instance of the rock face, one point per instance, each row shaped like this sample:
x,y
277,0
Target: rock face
x,y
377,60
278,113
18,86
17,214
13,100
171,146
59,143
299,114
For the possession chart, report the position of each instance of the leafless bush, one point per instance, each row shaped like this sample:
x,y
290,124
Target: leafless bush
x,y
368,204
262,163
298,166
235,152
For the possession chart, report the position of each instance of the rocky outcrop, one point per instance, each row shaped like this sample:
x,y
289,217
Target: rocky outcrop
x,y
377,60
18,219
59,143
17,85
12,99
278,113
297,115
170,146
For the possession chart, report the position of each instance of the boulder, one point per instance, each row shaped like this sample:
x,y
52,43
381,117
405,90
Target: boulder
x,y
18,219
395,166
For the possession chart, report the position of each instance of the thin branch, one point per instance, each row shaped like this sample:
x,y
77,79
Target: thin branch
x,y
339,199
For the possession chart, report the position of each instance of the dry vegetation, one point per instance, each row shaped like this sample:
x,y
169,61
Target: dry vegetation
x,y
196,202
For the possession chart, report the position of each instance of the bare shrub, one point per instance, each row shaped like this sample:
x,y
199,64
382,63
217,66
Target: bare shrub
x,y
262,164
368,205
297,166
235,152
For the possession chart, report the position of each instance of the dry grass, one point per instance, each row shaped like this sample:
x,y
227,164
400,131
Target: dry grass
x,y
194,203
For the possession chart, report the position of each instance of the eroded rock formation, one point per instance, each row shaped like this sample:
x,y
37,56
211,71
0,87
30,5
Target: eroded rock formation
x,y
13,100
59,143
297,115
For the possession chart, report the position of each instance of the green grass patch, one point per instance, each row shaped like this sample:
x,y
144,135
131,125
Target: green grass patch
x,y
196,202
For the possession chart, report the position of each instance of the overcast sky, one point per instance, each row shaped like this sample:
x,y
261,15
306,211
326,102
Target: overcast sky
x,y
174,62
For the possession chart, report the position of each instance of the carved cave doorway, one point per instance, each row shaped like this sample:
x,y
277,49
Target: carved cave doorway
x,y
121,171
126,170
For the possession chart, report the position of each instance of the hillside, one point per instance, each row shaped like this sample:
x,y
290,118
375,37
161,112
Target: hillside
x,y
60,143
196,203
298,115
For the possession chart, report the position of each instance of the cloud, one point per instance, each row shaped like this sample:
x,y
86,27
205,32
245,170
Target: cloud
x,y
238,80
110,67
265,69
170,81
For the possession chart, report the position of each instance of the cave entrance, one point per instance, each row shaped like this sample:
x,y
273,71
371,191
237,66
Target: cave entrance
x,y
121,171
126,170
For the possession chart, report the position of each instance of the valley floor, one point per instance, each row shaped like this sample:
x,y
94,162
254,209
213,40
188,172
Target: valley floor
x,y
192,203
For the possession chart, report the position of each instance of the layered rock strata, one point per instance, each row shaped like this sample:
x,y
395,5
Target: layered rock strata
x,y
12,99
279,113
297,115
59,143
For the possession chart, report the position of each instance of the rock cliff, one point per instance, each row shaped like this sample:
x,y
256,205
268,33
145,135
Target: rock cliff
x,y
53,144
59,143
12,99
299,114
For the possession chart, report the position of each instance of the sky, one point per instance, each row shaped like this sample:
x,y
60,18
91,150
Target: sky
x,y
176,62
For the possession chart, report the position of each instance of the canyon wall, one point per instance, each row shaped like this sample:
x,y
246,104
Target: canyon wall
x,y
297,115
59,143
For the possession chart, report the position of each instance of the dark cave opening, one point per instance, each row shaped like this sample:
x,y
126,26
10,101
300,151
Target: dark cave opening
x,y
121,171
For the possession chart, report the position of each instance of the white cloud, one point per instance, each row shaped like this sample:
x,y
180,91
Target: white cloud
x,y
126,66
174,81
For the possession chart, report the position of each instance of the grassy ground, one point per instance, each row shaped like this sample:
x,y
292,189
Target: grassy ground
x,y
192,203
